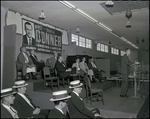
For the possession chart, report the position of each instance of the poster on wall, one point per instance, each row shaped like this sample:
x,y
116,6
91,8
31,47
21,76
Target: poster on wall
x,y
41,38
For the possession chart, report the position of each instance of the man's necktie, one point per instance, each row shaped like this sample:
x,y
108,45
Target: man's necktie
x,y
93,65
30,41
35,58
63,64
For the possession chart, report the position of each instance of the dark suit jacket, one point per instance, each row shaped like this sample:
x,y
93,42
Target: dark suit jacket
x,y
23,108
25,41
5,113
124,64
34,59
61,70
56,114
77,109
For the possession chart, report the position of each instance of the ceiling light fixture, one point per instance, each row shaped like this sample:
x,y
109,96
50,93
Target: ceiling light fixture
x,y
112,32
72,7
109,3
104,27
42,16
85,15
77,30
67,4
128,15
125,40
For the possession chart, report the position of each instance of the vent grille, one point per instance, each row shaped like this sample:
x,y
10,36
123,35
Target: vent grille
x,y
122,6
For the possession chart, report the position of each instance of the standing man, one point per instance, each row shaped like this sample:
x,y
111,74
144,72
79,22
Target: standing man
x,y
76,106
7,99
60,99
125,62
24,105
24,62
27,38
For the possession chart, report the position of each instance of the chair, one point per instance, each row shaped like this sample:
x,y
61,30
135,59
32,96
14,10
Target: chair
x,y
62,80
18,71
93,93
48,79
39,72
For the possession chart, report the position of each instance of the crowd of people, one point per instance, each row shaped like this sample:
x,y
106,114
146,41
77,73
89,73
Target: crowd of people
x,y
17,104
28,62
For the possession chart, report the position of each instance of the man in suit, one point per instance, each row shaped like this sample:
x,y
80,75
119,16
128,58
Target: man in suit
x,y
60,99
62,70
24,105
50,62
27,38
125,62
24,62
7,99
39,65
96,70
54,59
75,103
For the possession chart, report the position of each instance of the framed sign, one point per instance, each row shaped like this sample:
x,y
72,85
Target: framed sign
x,y
41,38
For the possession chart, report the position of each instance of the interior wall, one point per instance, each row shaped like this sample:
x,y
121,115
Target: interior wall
x,y
67,49
144,60
3,13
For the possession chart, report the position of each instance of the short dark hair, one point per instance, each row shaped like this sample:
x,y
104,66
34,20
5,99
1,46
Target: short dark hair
x,y
27,23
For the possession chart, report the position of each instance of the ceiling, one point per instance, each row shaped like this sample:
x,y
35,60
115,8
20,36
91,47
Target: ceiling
x,y
62,17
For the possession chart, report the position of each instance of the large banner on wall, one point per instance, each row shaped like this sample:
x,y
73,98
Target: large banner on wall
x,y
41,38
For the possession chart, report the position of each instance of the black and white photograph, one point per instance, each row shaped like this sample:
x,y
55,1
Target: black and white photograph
x,y
75,59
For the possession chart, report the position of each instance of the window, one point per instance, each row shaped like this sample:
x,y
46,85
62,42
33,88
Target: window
x,y
88,43
81,41
74,38
102,47
114,51
106,48
99,47
117,52
122,53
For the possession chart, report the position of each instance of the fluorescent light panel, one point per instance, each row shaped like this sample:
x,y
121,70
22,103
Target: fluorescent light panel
x,y
103,26
115,34
125,40
84,14
95,21
67,4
